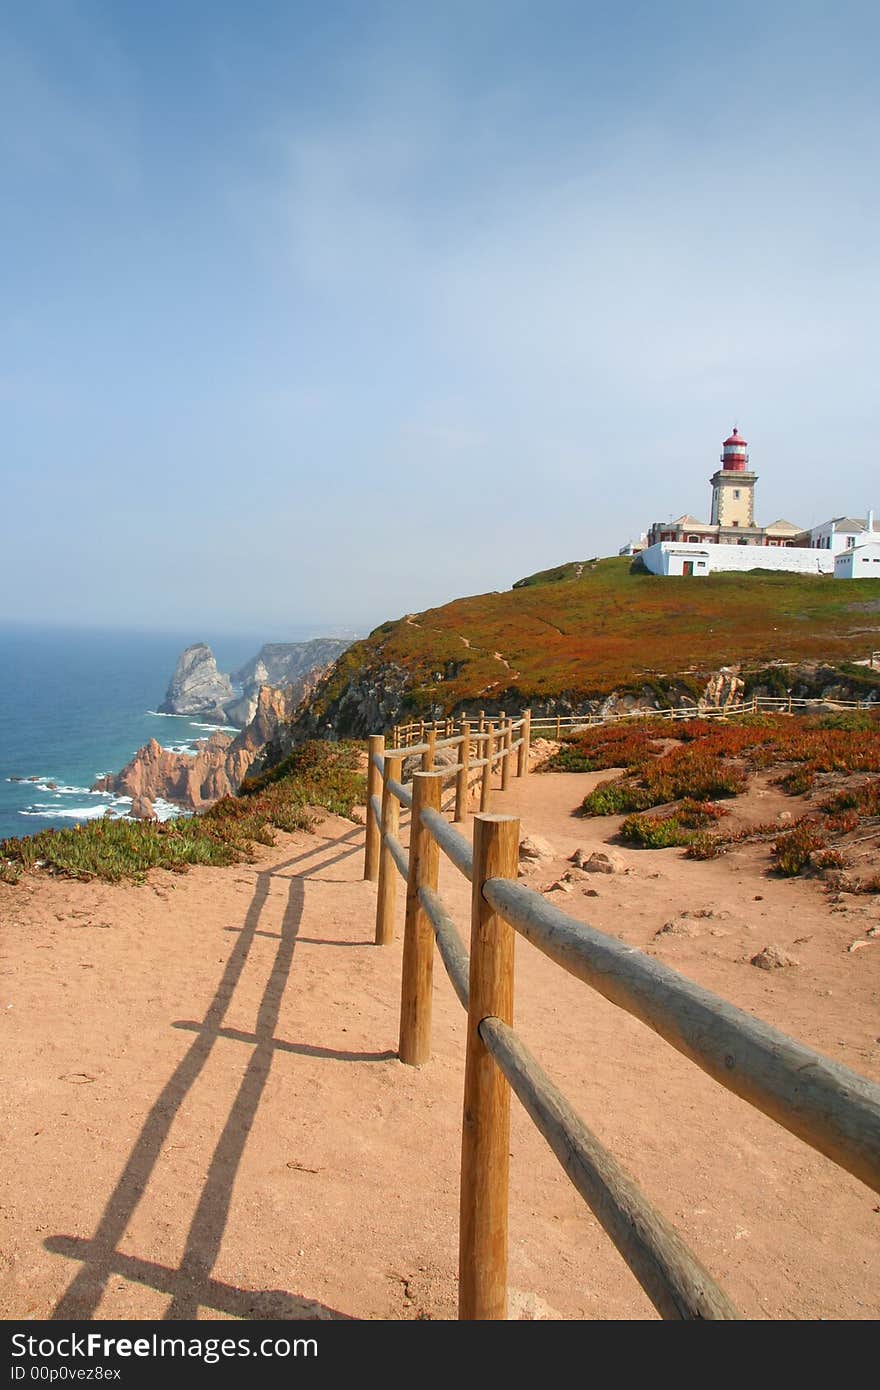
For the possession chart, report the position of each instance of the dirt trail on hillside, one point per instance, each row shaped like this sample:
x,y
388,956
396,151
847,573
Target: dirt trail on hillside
x,y
205,1116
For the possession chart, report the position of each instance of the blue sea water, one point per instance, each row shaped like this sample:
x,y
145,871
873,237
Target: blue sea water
x,y
75,704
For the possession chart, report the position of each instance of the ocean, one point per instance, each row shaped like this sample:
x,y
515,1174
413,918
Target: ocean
x,y
76,704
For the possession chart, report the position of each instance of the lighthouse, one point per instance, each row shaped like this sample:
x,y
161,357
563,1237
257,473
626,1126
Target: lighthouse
x,y
733,487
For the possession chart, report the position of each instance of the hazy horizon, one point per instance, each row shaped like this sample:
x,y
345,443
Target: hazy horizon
x,y
314,315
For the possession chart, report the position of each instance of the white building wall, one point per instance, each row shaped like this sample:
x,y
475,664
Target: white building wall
x,y
861,563
826,538
670,558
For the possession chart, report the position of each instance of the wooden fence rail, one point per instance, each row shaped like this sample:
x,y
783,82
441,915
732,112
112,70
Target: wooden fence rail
x,y
403,733
824,1104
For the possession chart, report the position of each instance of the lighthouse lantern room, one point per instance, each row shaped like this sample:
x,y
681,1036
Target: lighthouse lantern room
x,y
733,486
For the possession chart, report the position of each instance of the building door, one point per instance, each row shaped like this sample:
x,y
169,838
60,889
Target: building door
x,y
687,569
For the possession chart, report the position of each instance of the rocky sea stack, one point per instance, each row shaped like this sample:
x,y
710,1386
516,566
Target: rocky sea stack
x,y
197,687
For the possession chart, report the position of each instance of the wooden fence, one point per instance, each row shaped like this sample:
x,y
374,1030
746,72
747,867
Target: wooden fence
x,y
419,731
825,1104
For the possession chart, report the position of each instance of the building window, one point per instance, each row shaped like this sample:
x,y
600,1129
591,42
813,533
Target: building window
x,y
734,523
850,542
693,540
736,493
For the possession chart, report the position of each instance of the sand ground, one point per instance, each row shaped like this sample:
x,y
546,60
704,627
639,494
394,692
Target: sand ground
x,y
204,1115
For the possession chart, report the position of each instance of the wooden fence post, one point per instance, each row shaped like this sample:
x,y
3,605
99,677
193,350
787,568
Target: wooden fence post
x,y
508,756
558,726
428,755
375,748
387,894
488,750
485,1130
526,737
481,723
414,1045
464,772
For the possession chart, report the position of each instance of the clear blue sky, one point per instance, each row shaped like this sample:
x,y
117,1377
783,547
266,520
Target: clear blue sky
x,y
322,312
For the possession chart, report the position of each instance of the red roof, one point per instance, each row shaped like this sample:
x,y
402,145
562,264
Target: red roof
x,y
736,438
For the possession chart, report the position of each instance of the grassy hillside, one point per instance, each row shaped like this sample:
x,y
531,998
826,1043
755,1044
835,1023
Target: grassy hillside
x,y
585,629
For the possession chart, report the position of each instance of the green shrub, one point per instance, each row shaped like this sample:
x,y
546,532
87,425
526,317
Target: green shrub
x,y
793,850
615,797
655,832
679,828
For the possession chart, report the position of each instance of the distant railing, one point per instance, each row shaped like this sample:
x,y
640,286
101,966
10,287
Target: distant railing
x,y
419,732
829,1107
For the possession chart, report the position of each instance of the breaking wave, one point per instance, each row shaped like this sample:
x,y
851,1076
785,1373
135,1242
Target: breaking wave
x,y
44,810
48,811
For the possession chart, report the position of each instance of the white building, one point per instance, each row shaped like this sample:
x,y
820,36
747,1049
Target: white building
x,y
858,562
634,547
843,533
732,540
697,560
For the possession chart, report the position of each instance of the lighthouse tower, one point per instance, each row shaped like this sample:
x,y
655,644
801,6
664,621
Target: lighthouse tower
x,y
733,487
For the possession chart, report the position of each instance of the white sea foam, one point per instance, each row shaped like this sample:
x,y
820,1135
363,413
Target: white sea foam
x,y
64,791
65,812
44,810
41,784
218,728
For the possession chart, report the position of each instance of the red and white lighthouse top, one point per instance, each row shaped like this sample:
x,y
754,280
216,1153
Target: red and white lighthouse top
x,y
735,457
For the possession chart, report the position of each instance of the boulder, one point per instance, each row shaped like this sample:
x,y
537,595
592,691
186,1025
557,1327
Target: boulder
x,y
773,958
678,926
535,848
142,808
601,862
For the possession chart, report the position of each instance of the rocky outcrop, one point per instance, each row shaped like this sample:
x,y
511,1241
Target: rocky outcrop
x,y
724,690
197,687
191,782
218,768
367,703
377,697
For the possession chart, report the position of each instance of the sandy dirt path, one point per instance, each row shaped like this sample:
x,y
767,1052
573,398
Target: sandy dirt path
x,y
204,1115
